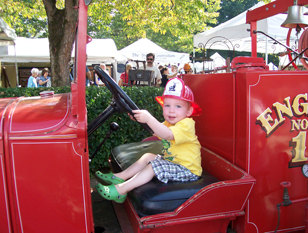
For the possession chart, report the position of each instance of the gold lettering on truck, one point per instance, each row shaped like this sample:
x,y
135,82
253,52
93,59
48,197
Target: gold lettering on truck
x,y
270,122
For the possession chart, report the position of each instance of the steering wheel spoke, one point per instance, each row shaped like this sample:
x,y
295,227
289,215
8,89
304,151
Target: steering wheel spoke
x,y
121,99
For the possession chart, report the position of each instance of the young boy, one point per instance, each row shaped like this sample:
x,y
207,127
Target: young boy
x,y
181,160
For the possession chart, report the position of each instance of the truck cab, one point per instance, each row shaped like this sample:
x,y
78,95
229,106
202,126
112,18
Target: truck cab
x,y
253,137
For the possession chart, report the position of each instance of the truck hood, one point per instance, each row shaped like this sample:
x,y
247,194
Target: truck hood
x,y
35,115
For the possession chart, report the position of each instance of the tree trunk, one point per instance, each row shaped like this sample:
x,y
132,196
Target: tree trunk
x,y
62,30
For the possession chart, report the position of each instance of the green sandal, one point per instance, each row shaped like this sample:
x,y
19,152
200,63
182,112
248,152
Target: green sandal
x,y
110,193
108,178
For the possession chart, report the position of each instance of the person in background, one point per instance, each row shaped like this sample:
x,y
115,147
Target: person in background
x,y
150,66
166,76
103,66
124,76
32,78
187,68
71,72
44,79
174,69
160,67
38,77
96,79
88,76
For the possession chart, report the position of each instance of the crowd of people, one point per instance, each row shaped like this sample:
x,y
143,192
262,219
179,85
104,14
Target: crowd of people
x,y
39,78
161,74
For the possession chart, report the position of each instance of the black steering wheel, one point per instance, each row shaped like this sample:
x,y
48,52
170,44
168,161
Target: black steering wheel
x,y
121,99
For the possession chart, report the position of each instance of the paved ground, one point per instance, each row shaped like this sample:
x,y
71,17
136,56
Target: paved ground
x,y
103,213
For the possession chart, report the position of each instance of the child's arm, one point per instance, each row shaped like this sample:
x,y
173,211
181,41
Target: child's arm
x,y
160,130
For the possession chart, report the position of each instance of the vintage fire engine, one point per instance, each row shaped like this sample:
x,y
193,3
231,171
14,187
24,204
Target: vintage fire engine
x,y
253,133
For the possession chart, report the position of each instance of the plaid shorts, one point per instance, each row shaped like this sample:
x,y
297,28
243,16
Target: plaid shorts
x,y
165,170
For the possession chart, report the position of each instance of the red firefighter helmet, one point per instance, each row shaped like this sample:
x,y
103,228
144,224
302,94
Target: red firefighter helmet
x,y
175,88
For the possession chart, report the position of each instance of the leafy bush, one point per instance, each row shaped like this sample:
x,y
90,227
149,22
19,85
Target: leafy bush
x,y
16,92
97,100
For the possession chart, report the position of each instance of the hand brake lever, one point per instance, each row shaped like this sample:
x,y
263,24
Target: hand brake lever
x,y
113,127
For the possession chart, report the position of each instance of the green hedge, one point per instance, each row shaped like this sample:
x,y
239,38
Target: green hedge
x,y
97,99
16,92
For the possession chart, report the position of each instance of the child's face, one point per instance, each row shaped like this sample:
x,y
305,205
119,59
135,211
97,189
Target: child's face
x,y
175,110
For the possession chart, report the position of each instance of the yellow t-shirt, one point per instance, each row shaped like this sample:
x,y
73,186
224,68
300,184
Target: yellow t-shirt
x,y
185,149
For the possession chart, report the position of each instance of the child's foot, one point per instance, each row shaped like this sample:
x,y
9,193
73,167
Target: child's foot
x,y
110,193
108,178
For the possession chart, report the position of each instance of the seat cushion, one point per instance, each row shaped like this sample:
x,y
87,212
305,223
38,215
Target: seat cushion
x,y
155,197
126,154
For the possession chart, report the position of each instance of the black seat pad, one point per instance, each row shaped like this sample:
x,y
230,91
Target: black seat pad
x,y
155,197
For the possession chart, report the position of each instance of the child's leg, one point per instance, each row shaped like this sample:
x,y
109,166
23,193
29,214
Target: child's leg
x,y
142,177
136,167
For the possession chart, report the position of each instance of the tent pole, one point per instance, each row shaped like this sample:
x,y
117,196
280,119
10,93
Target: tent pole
x,y
17,83
194,61
266,52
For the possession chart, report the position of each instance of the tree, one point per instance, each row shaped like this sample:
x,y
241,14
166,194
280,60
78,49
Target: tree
x,y
231,8
62,30
136,18
169,23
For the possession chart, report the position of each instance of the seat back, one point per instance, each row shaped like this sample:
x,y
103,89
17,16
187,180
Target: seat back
x,y
140,77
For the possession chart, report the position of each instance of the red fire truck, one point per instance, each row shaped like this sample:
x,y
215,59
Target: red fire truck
x,y
253,136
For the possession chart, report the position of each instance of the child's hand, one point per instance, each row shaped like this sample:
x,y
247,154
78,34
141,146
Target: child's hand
x,y
142,116
162,131
131,116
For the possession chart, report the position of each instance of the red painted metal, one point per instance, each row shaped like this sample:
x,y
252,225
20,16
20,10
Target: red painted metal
x,y
45,186
249,62
266,157
253,27
306,218
253,136
210,209
5,223
289,51
271,9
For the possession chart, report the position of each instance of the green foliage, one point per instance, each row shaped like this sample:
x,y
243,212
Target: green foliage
x,y
27,92
230,9
28,18
98,99
170,24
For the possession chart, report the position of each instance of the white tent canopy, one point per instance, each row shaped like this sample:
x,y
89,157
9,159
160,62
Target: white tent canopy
x,y
100,50
37,50
218,60
7,35
139,49
27,50
235,31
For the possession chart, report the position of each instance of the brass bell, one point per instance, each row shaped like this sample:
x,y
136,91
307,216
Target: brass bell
x,y
295,18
